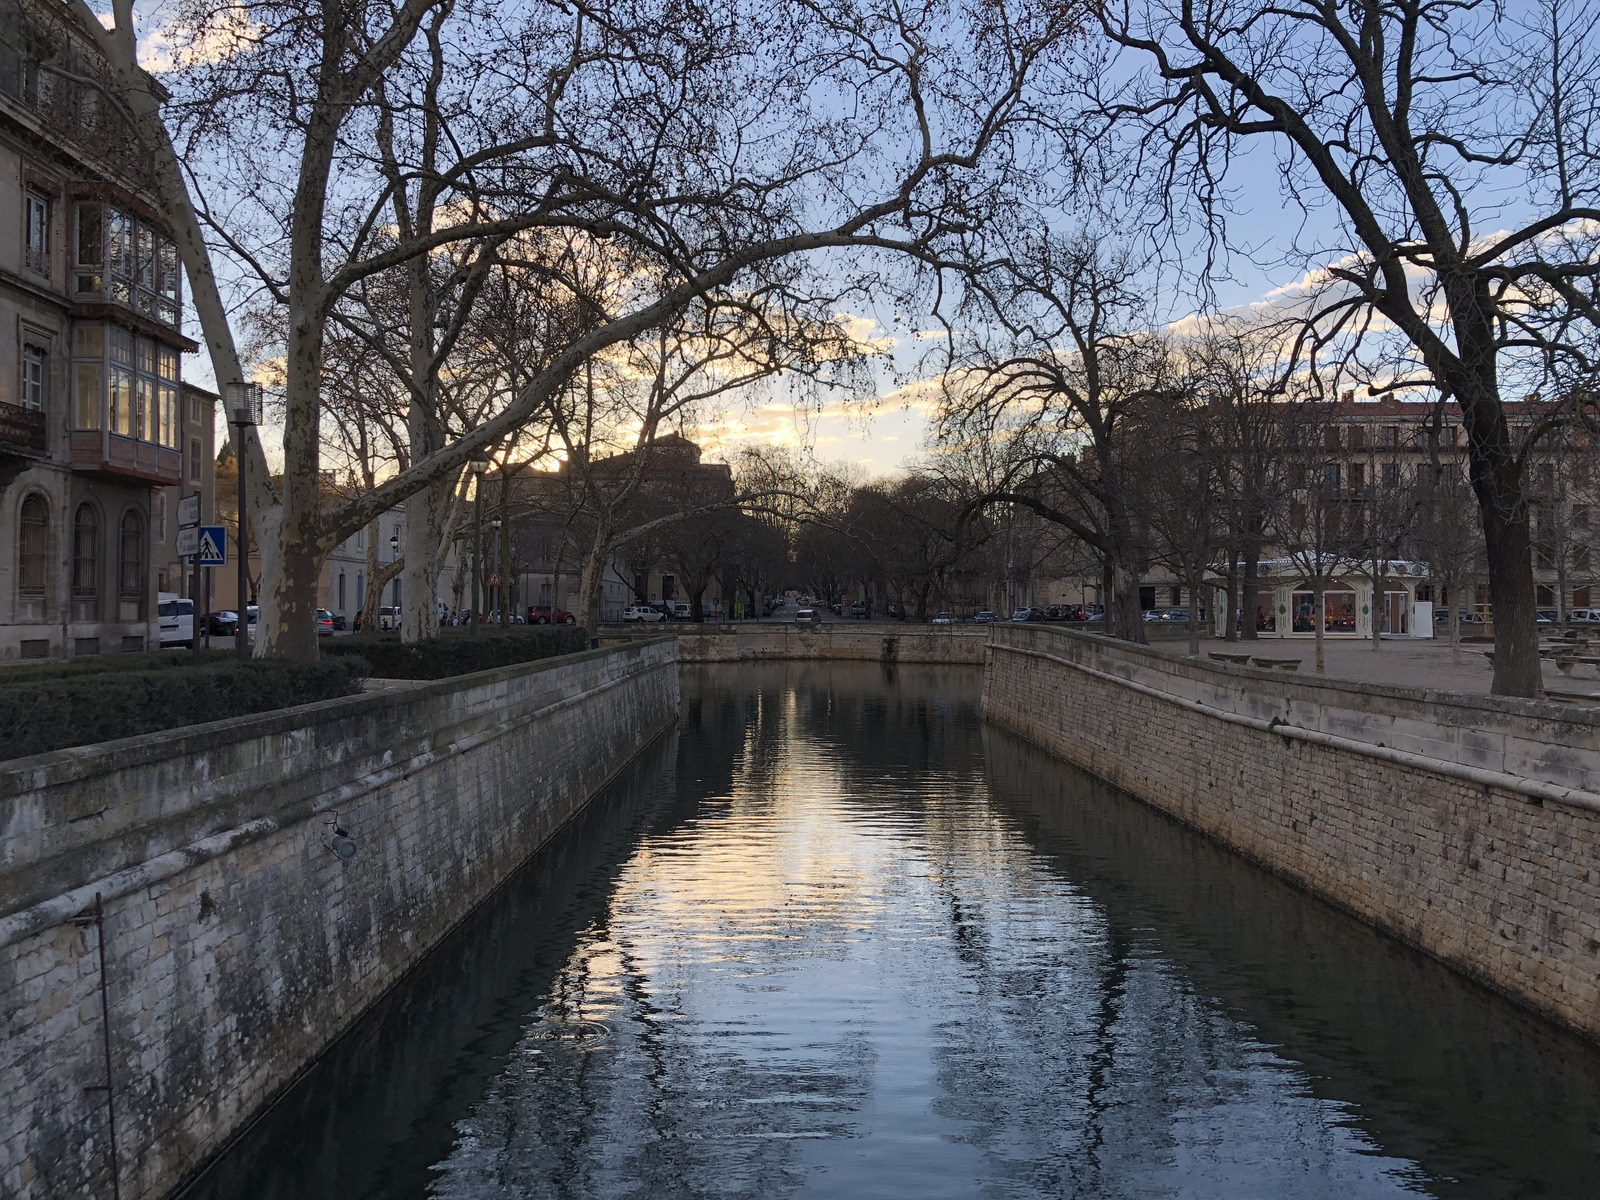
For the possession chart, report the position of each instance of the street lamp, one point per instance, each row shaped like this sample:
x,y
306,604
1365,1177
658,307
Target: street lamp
x,y
494,526
243,404
394,543
480,464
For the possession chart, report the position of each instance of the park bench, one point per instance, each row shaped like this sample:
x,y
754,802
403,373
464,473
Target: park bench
x,y
1242,659
1567,662
1282,664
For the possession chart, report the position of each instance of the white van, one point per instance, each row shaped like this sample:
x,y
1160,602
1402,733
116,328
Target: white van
x,y
177,619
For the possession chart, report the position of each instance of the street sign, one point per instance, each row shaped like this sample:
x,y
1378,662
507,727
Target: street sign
x,y
189,513
213,548
189,541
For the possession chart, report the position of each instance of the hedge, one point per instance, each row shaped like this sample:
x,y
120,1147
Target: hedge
x,y
458,651
77,708
99,664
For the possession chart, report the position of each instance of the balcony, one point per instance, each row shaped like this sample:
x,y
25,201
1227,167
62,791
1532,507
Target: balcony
x,y
126,458
22,431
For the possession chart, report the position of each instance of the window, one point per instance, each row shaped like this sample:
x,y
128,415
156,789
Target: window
x,y
1447,436
1389,435
85,551
35,377
341,591
1391,475
130,384
33,554
1339,607
1330,476
1331,437
1356,474
1580,560
1358,437
36,234
130,557
361,590
1580,516
194,459
125,260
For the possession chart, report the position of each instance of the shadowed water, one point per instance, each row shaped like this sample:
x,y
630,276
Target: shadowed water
x,y
834,938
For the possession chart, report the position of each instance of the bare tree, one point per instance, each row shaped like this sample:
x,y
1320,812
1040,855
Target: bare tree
x,y
1046,393
1421,126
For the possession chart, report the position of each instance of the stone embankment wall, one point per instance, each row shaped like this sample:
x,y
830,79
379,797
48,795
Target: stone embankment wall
x,y
237,946
1464,825
843,641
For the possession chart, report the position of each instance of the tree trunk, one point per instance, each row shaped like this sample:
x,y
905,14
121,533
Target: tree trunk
x,y
1230,631
1319,616
505,549
419,543
1250,592
374,595
1128,617
1378,604
594,566
1194,611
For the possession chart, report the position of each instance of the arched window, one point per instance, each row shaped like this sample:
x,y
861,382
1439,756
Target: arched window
x,y
130,557
85,551
341,591
33,548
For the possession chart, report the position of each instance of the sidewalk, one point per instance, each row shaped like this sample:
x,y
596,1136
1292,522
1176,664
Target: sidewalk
x,y
1404,663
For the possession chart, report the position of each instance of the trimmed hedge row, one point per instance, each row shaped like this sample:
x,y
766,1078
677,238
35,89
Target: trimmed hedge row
x,y
99,664
77,708
457,652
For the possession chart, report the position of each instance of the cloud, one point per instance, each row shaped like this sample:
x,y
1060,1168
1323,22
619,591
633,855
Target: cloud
x,y
223,34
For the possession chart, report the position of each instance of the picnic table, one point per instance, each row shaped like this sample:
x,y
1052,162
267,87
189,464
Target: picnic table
x,y
1566,662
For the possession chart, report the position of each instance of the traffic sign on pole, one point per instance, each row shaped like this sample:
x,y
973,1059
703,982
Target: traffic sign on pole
x,y
189,511
213,546
189,541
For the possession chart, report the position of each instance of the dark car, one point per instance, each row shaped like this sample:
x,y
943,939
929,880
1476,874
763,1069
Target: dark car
x,y
222,624
543,614
1028,614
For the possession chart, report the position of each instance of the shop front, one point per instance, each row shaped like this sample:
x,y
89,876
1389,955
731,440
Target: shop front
x,y
1286,604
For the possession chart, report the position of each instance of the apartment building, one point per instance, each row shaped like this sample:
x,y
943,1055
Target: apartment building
x,y
93,432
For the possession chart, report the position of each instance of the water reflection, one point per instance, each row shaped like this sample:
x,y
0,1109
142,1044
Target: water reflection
x,y
841,940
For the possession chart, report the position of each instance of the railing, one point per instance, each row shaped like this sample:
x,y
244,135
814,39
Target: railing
x,y
23,428
37,261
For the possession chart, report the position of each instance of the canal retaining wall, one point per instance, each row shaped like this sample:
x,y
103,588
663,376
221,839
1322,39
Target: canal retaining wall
x,y
1464,825
842,641
237,945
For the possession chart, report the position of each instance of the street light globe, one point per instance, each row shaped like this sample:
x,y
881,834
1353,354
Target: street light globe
x,y
480,463
394,542
494,524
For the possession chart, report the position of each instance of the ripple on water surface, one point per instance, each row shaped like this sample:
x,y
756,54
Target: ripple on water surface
x,y
839,940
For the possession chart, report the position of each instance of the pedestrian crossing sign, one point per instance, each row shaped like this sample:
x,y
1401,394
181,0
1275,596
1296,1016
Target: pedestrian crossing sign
x,y
213,546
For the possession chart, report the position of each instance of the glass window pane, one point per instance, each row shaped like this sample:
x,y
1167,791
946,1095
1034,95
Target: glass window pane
x,y
91,236
89,341
122,401
166,362
121,345
146,353
144,417
88,400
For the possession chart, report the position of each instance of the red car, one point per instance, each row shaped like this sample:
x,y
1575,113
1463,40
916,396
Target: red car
x,y
543,614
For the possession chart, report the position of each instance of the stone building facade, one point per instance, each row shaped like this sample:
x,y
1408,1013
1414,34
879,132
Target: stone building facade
x,y
93,434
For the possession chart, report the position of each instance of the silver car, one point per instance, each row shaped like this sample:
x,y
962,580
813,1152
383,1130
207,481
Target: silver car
x,y
808,616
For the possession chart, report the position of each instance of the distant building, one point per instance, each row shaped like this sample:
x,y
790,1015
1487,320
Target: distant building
x,y
93,435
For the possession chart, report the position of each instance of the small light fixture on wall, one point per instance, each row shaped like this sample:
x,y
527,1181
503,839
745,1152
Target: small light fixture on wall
x,y
340,844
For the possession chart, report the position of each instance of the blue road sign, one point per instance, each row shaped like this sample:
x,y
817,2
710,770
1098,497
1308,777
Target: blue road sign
x,y
213,546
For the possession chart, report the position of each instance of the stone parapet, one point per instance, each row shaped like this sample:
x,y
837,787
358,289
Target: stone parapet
x,y
841,641
1464,825
237,945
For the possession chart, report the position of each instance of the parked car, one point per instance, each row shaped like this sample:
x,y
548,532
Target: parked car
x,y
338,621
1175,614
1547,616
680,611
176,615
388,618
1028,614
1583,616
859,609
324,623
222,624
944,618
544,614
1098,617
808,616
986,617
644,614
1151,614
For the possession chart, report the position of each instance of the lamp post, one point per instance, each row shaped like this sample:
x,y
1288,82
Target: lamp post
x,y
243,402
480,464
494,527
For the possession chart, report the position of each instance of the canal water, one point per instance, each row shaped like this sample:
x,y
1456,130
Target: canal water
x,y
836,938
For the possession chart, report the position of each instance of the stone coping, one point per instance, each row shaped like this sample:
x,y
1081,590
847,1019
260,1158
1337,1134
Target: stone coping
x,y
22,775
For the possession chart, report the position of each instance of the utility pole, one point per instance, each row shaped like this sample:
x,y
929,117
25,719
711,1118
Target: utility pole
x,y
244,410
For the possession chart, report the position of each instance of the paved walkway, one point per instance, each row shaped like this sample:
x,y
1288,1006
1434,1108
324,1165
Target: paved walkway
x,y
1406,663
